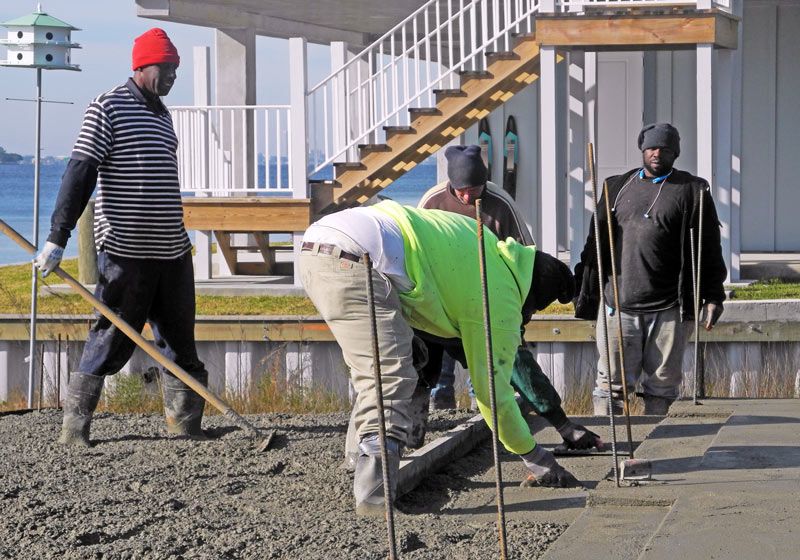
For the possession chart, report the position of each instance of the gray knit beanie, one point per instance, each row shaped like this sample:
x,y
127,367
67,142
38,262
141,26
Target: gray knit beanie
x,y
465,167
660,135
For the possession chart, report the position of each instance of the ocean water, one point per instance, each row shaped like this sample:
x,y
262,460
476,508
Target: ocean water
x,y
16,188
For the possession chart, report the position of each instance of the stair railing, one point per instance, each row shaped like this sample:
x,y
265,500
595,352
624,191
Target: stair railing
x,y
403,69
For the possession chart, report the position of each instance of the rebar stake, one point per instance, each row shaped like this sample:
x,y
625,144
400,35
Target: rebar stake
x,y
376,372
620,341
487,325
606,350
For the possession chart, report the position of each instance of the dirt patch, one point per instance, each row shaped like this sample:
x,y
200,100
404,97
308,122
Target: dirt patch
x,y
139,494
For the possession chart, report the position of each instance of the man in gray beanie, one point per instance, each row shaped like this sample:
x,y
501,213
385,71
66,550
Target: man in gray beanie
x,y
467,182
655,212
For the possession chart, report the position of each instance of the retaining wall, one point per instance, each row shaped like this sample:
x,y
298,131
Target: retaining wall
x,y
753,351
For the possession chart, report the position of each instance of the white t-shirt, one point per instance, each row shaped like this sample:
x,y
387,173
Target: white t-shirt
x,y
365,230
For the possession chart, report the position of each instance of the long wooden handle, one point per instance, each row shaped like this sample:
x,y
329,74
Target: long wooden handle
x,y
136,337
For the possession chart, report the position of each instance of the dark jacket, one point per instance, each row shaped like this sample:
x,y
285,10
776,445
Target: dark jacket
x,y
713,271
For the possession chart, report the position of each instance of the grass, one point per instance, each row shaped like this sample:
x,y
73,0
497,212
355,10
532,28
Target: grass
x,y
773,288
15,298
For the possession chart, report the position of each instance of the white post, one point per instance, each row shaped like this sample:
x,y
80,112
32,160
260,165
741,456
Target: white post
x,y
298,131
735,161
202,97
339,97
722,102
705,114
548,148
590,130
577,153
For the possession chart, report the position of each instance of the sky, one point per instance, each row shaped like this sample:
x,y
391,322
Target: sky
x,y
108,28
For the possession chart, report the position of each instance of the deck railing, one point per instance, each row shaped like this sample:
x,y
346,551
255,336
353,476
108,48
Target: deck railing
x,y
227,149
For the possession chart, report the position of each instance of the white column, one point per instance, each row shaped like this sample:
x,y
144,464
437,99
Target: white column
x,y
548,238
577,154
714,132
202,96
735,161
339,124
298,132
590,135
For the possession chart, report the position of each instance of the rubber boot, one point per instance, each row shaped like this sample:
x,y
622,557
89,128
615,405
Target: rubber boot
x,y
656,406
601,406
418,411
351,450
83,394
183,408
368,480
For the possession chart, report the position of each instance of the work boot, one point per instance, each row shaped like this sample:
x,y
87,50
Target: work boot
x,y
656,406
368,480
351,449
601,406
418,411
183,408
83,394
443,402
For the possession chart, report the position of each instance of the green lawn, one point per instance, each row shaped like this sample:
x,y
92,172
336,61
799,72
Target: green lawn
x,y
768,289
15,297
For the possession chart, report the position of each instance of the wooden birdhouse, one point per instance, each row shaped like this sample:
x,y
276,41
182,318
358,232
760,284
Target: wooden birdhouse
x,y
39,40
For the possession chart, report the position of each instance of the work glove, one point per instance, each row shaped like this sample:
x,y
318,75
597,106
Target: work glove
x,y
711,314
552,280
49,259
545,470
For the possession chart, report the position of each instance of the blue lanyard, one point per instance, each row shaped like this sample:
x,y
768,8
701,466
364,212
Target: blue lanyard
x,y
655,180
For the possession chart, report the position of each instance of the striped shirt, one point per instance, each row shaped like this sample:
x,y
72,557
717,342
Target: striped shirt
x,y
138,211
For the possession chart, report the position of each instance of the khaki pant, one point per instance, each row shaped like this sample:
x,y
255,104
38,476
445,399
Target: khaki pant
x,y
654,344
338,288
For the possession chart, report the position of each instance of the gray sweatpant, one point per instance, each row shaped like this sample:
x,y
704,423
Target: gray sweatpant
x,y
338,288
653,346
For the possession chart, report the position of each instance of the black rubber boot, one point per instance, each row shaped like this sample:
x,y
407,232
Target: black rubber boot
x,y
83,395
420,404
368,479
656,406
183,408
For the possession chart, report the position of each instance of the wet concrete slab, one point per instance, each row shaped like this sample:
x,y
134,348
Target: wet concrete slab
x,y
726,483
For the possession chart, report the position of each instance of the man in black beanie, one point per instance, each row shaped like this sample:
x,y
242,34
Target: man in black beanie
x,y
468,182
654,210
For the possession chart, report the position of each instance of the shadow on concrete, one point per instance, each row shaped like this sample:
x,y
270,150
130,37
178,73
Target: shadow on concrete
x,y
751,420
739,457
674,431
744,457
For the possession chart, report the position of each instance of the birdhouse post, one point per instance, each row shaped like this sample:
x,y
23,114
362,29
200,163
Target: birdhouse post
x,y
43,42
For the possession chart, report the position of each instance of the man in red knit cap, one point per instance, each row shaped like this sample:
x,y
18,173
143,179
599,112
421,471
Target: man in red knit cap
x,y
126,146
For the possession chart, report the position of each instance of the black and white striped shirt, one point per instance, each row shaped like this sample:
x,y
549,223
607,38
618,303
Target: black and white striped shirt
x,y
138,211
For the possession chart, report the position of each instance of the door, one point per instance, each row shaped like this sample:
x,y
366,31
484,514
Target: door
x,y
620,106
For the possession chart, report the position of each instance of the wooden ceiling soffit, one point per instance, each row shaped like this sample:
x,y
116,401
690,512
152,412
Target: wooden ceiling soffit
x,y
639,32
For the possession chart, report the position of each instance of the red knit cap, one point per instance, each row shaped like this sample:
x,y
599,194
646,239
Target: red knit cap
x,y
154,47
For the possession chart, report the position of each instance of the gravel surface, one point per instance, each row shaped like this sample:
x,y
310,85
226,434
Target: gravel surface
x,y
140,494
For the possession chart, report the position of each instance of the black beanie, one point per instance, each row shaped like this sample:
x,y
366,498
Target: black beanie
x,y
660,135
465,167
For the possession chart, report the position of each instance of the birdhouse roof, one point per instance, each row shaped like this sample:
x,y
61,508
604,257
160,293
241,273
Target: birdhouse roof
x,y
38,19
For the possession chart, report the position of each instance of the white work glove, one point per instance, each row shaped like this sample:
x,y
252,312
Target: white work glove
x,y
49,259
545,470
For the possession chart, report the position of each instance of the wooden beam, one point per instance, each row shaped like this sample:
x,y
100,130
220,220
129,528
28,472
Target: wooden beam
x,y
291,328
276,215
643,32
